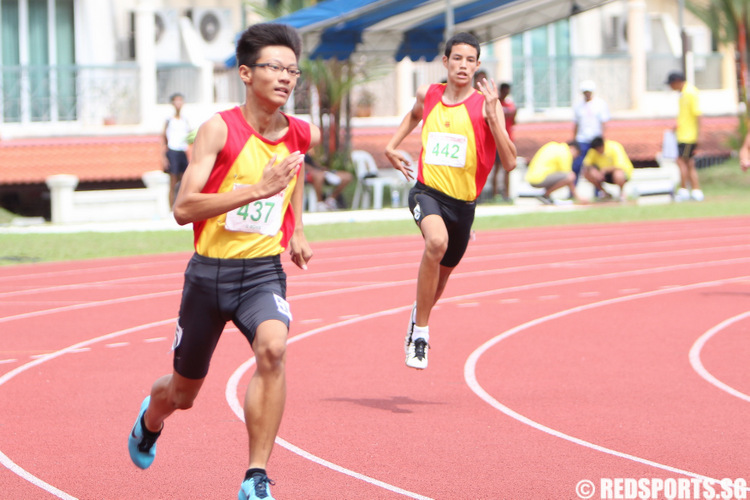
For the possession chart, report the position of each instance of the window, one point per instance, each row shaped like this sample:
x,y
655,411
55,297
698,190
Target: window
x,y
37,57
542,66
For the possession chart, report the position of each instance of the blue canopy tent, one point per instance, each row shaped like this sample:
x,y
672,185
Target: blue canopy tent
x,y
417,28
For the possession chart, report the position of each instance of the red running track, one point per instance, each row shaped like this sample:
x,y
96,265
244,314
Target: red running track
x,y
558,355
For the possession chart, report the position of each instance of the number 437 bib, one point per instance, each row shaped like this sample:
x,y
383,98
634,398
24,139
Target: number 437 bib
x,y
446,149
260,216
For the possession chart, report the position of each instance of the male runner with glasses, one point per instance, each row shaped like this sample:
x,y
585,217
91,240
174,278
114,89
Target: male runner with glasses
x,y
243,193
461,132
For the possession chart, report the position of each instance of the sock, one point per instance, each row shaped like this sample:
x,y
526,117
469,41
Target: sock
x,y
251,472
146,431
421,332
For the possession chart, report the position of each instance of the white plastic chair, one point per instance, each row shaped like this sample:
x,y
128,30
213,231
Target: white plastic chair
x,y
311,198
370,181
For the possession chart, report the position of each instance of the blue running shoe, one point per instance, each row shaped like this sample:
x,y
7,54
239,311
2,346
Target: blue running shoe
x,y
142,442
256,487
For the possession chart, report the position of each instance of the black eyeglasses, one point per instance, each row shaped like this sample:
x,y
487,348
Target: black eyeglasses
x,y
294,72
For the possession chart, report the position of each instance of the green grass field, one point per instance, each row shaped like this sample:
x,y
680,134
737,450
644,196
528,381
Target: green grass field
x,y
726,187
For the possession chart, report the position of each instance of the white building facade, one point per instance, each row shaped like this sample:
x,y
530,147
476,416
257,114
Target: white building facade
x,y
72,67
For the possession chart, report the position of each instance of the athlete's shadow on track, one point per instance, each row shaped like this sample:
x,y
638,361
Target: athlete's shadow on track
x,y
395,405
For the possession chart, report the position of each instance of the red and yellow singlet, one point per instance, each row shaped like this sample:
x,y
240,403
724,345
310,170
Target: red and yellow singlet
x,y
458,149
261,228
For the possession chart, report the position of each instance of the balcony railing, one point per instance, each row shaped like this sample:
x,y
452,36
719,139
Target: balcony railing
x,y
87,94
93,95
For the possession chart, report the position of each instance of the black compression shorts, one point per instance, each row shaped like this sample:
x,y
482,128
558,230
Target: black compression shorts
x,y
458,216
244,291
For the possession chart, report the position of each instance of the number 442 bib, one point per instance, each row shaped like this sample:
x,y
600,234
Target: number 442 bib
x,y
260,216
446,149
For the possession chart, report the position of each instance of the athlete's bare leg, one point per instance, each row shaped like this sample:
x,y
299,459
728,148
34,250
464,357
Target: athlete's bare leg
x,y
170,393
432,277
266,392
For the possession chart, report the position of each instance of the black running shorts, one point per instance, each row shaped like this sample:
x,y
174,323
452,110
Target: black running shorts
x,y
458,216
244,291
177,161
686,151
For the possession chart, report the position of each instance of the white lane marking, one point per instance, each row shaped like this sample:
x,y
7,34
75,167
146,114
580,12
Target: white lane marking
x,y
117,344
308,321
10,464
471,378
695,357
91,284
231,396
86,305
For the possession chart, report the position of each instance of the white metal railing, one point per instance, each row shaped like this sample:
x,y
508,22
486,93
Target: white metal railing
x,y
87,94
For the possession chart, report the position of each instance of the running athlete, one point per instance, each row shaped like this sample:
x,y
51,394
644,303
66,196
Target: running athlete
x,y
462,130
243,193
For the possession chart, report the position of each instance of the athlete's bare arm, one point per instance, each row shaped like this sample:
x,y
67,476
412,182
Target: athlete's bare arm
x,y
410,121
192,205
493,114
299,248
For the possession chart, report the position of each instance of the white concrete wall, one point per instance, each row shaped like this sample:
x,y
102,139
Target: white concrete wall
x,y
111,205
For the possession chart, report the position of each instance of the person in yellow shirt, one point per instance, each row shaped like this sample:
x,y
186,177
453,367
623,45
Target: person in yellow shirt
x,y
687,130
607,161
551,168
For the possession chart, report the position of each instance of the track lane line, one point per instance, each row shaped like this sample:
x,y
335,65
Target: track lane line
x,y
233,383
10,464
472,382
697,364
396,310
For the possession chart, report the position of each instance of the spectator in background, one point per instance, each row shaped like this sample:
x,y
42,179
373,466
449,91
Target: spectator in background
x,y
479,77
319,176
590,116
607,161
745,153
687,130
176,131
509,111
551,168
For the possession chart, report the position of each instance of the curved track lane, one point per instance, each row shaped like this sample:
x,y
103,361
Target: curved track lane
x,y
559,354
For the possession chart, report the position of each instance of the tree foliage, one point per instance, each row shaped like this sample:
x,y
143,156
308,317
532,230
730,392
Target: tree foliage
x,y
729,21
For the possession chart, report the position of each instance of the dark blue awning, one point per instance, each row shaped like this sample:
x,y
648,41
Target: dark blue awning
x,y
416,28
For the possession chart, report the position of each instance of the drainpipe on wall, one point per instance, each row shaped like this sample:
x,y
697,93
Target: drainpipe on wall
x,y
637,49
146,58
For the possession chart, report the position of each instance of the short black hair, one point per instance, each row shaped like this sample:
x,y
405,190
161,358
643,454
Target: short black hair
x,y
260,35
675,76
574,144
597,142
462,37
175,96
503,86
